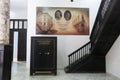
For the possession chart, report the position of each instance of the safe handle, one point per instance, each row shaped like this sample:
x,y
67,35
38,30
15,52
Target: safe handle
x,y
40,53
47,53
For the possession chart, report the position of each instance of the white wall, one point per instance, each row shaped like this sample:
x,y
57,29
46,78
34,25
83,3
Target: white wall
x,y
113,59
66,44
18,9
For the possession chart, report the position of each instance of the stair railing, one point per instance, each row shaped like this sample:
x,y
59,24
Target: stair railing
x,y
79,54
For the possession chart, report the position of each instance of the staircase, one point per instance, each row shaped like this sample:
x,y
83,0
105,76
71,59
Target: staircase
x,y
82,60
77,57
106,29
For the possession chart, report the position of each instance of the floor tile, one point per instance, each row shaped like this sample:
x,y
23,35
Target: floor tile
x,y
19,72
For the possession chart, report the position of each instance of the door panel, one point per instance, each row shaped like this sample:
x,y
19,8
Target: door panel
x,y
43,55
20,26
22,44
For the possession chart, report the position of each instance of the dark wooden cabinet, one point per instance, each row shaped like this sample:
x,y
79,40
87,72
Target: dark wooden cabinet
x,y
43,55
6,55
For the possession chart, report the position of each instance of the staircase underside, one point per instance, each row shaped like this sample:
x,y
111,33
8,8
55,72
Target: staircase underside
x,y
108,29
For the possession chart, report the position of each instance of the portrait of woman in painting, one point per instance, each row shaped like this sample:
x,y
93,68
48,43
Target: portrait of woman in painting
x,y
58,15
67,15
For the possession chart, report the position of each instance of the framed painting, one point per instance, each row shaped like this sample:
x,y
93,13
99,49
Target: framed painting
x,y
62,21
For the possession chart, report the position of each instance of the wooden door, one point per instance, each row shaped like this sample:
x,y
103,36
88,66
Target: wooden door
x,y
22,35
19,25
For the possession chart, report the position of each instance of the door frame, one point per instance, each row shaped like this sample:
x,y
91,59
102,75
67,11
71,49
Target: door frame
x,y
20,26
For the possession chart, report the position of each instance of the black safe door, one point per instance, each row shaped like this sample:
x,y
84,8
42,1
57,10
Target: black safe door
x,y
44,53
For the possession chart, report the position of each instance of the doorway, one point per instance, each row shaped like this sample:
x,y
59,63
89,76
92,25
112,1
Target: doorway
x,y
18,36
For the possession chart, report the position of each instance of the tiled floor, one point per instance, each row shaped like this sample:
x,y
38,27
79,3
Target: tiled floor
x,y
19,72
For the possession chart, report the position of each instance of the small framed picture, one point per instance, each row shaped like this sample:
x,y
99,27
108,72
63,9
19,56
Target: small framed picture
x,y
67,15
58,15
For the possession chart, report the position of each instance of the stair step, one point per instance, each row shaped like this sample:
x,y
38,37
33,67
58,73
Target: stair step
x,y
80,61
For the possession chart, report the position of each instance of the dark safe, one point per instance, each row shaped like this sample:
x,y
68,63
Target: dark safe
x,y
43,55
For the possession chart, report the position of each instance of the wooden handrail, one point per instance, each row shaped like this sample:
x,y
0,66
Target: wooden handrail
x,y
79,53
78,49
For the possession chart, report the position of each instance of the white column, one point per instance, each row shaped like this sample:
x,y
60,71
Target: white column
x,y
4,21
